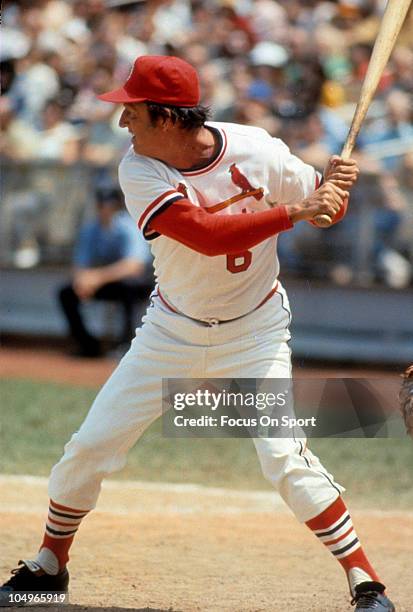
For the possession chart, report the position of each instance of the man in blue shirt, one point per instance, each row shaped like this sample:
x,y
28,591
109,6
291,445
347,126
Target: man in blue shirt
x,y
111,262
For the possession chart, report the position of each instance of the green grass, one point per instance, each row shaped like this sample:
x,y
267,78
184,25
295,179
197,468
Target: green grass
x,y
38,418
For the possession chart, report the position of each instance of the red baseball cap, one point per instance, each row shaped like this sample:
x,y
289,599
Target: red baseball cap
x,y
158,78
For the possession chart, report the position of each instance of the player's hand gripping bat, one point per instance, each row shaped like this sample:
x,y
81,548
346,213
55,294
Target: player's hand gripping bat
x,y
393,18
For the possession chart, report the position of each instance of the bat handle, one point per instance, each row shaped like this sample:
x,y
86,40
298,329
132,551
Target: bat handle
x,y
326,220
322,220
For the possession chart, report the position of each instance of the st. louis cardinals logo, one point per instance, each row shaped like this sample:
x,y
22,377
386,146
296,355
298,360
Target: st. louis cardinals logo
x,y
241,181
247,190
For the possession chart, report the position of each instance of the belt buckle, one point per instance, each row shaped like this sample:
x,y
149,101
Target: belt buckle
x,y
212,322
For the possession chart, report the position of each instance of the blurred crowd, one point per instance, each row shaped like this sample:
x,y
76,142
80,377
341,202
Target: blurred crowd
x,y
294,67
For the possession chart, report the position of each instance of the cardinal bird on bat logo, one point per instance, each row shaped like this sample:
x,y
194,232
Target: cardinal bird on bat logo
x,y
241,181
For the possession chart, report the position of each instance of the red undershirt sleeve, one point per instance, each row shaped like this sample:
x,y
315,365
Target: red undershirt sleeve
x,y
218,234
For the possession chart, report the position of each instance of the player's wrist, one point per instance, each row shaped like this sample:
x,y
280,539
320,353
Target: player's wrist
x,y
295,212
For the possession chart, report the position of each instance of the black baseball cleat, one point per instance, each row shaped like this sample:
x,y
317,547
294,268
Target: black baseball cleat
x,y
25,588
370,597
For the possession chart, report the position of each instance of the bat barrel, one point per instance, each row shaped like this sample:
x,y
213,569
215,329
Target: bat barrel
x,y
393,18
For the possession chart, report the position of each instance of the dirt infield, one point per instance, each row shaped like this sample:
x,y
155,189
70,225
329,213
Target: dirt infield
x,y
169,547
53,365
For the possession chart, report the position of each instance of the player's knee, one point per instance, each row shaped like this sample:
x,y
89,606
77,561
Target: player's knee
x,y
90,456
277,458
81,447
274,467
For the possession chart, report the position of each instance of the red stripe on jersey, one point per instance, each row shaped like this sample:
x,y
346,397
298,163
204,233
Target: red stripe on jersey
x,y
214,163
317,180
154,203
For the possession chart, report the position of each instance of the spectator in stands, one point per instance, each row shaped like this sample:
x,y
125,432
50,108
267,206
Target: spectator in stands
x,y
402,60
36,81
58,140
111,263
393,133
256,108
18,138
104,140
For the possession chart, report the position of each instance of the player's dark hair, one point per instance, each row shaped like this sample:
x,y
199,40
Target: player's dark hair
x,y
188,118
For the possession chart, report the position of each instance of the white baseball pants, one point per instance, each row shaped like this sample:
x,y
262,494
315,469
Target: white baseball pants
x,y
169,345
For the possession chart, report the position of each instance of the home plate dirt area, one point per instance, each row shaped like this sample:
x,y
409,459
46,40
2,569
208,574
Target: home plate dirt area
x,y
164,547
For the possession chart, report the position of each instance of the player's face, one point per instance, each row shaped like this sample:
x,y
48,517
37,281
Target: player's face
x,y
146,137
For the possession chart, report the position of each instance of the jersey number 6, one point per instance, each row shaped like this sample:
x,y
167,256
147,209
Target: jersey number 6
x,y
239,262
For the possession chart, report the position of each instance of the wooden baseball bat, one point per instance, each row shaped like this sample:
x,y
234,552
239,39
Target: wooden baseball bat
x,y
393,18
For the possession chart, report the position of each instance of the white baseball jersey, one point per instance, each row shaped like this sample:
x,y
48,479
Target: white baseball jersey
x,y
251,171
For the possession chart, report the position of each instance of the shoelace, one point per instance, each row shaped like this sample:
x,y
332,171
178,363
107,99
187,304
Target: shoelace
x,y
368,600
11,582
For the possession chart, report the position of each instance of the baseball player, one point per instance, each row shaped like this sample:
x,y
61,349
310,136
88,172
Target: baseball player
x,y
211,198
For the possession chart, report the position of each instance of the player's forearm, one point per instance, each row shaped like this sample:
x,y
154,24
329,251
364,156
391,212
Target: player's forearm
x,y
214,235
329,199
119,270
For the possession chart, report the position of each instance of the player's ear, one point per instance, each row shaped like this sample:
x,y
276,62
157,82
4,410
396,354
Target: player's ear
x,y
165,122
